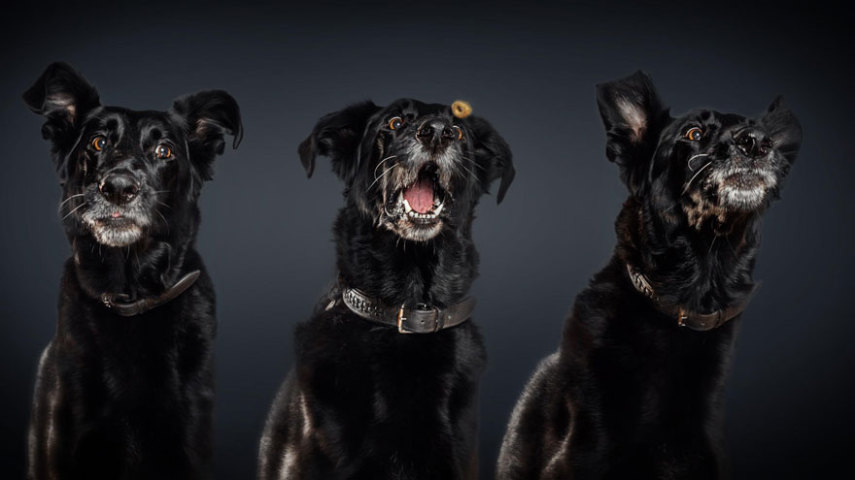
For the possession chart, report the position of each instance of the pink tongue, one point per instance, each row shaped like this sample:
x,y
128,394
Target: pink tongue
x,y
420,196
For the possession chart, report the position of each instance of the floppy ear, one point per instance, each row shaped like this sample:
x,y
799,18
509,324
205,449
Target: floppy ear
x,y
784,129
337,135
64,98
493,155
633,115
207,117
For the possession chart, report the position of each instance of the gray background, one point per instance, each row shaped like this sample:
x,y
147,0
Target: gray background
x,y
531,71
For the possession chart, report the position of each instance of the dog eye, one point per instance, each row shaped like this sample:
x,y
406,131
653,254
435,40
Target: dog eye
x,y
396,123
98,143
695,134
459,132
163,152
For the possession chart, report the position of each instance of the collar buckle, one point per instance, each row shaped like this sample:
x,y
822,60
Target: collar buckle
x,y
682,317
401,319
421,319
107,300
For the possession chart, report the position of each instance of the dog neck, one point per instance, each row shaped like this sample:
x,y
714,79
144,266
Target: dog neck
x,y
701,270
382,265
144,269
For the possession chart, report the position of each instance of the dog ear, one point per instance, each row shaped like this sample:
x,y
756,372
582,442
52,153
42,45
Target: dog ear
x,y
64,98
493,156
207,117
633,115
337,135
784,129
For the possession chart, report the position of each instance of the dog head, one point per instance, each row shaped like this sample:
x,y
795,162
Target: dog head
x,y
716,166
412,168
127,175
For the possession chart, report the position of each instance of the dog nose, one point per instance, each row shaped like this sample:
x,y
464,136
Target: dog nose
x,y
435,132
119,188
751,142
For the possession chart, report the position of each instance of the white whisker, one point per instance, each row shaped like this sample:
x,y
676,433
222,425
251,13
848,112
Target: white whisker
x,y
72,211
59,208
473,162
381,163
377,179
689,162
165,222
474,175
689,183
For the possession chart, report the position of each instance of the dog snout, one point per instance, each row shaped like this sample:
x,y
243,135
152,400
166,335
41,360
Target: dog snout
x,y
435,132
752,142
119,187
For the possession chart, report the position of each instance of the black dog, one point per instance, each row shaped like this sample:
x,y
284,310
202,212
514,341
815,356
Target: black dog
x,y
125,388
367,400
636,388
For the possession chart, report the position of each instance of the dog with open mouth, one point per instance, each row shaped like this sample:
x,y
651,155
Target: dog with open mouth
x,y
637,386
387,368
125,388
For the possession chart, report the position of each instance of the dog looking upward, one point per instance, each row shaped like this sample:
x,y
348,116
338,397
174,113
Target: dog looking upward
x,y
125,388
636,388
387,368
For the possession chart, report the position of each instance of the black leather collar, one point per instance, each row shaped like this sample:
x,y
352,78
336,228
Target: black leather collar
x,y
118,302
700,322
419,319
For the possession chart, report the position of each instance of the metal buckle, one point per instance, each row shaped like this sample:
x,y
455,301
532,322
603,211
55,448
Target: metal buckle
x,y
418,310
401,319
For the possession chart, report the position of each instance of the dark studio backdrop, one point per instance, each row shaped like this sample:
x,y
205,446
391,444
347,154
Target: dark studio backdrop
x,y
530,70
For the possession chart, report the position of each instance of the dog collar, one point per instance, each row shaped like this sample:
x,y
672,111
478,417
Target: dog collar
x,y
700,322
419,319
118,302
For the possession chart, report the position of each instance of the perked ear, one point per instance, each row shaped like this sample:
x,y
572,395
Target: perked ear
x,y
633,115
64,98
783,128
493,156
337,135
208,116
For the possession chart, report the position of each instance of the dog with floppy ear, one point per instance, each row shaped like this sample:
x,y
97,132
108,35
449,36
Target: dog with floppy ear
x,y
636,388
125,388
387,368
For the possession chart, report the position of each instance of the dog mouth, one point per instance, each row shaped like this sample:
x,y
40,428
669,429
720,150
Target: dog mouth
x,y
728,190
742,188
416,206
422,201
115,226
116,230
116,220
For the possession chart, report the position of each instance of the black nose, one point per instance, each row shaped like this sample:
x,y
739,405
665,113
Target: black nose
x,y
751,142
119,188
435,132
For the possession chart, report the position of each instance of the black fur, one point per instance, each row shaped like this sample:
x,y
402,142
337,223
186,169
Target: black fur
x,y
365,401
127,397
630,394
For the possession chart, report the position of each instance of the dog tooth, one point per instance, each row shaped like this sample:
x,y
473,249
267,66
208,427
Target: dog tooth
x,y
407,206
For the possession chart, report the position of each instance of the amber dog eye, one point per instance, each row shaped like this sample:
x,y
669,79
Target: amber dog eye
x,y
396,123
163,152
98,143
459,132
695,134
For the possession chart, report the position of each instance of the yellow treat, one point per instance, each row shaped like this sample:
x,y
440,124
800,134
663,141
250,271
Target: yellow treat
x,y
461,109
